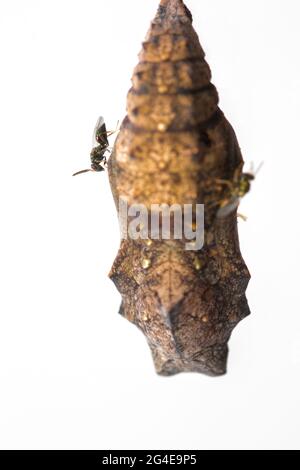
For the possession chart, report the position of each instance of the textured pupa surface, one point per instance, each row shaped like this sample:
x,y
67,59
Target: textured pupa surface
x,y
173,145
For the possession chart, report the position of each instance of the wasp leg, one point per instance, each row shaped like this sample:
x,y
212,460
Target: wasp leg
x,y
243,217
221,203
223,182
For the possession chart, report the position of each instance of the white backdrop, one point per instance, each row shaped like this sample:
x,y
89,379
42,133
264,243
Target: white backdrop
x,y
73,373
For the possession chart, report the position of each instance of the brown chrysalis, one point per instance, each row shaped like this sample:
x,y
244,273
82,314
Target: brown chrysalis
x,y
176,147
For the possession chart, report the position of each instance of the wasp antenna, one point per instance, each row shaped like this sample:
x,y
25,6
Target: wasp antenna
x,y
81,172
259,168
252,168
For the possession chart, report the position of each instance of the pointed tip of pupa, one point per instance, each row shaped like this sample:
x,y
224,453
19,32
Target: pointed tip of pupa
x,y
173,8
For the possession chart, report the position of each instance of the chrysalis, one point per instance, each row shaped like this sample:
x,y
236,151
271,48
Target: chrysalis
x,y
176,147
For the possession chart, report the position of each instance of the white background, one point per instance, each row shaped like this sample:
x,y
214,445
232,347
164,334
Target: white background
x,y
74,374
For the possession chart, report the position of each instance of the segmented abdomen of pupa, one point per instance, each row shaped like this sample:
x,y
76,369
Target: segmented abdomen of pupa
x,y
173,144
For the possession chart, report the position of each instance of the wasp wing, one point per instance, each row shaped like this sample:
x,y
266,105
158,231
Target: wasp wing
x,y
100,132
230,207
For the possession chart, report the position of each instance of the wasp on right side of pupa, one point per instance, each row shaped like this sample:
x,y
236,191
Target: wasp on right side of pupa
x,y
234,190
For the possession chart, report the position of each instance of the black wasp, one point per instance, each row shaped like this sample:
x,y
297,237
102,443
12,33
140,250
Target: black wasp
x,y
98,157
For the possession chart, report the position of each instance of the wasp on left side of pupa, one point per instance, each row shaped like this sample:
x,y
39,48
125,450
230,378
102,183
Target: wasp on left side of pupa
x,y
100,149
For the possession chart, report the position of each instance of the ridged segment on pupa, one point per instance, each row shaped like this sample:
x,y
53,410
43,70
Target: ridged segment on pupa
x,y
171,84
172,146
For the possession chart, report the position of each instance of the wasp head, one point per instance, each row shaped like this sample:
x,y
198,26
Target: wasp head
x,y
245,183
